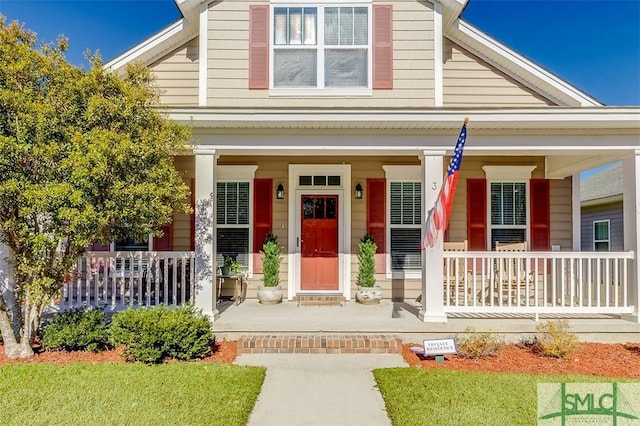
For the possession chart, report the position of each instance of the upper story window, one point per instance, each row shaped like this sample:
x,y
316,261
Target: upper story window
x,y
321,47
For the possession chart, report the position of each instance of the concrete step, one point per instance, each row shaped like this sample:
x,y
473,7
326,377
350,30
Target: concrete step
x,y
319,343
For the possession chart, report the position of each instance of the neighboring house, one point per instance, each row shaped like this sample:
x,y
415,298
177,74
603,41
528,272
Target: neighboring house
x,y
296,105
602,210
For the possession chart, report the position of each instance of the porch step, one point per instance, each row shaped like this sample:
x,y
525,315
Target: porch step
x,y
319,300
320,344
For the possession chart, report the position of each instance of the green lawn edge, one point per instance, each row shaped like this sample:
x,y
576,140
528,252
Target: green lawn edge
x,y
128,394
416,396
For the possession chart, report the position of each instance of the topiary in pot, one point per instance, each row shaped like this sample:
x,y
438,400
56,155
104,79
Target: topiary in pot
x,y
367,293
270,293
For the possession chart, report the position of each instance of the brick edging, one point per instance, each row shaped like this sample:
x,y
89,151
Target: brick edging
x,y
320,344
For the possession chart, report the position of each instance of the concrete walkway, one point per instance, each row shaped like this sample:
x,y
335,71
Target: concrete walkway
x,y
319,389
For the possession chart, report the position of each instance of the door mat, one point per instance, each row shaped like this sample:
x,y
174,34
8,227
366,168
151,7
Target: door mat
x,y
320,300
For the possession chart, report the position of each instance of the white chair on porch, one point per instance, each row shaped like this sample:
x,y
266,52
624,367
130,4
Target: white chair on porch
x,y
516,282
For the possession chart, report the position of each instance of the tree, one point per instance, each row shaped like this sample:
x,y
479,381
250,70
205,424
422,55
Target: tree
x,y
85,156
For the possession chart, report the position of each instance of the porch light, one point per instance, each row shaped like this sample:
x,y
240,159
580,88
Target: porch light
x,y
280,192
359,191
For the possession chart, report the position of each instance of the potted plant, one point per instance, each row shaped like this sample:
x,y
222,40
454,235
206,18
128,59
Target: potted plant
x,y
368,293
226,266
270,293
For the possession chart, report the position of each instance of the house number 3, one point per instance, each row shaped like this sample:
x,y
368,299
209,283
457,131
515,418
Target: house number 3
x,y
434,186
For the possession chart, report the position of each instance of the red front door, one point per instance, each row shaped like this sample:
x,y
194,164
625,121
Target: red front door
x,y
319,264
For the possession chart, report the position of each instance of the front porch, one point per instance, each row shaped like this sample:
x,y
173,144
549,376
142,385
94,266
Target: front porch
x,y
398,318
535,285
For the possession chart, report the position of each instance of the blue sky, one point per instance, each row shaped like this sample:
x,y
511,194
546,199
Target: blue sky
x,y
592,44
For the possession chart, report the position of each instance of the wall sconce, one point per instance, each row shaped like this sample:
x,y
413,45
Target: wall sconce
x,y
359,191
280,192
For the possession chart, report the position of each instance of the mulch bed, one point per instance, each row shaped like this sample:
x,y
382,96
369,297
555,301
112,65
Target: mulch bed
x,y
597,359
221,351
594,359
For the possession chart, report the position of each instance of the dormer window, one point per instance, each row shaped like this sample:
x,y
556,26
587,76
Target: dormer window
x,y
321,47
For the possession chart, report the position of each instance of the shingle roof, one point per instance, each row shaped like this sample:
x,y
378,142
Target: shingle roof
x,y
605,183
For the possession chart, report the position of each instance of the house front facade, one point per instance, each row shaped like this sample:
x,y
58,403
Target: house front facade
x,y
322,121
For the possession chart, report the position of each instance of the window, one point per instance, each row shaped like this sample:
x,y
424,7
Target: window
x,y
405,225
130,244
508,212
601,238
321,47
232,219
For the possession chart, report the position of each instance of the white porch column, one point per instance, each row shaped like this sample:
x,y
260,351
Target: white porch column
x,y
205,241
631,213
432,309
576,213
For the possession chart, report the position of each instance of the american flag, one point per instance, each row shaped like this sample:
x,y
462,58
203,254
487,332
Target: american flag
x,y
439,215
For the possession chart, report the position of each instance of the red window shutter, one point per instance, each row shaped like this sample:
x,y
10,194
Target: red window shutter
x,y
376,218
259,47
262,216
164,243
192,240
477,214
540,215
383,47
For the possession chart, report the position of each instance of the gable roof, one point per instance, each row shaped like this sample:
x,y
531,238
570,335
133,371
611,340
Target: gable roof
x,y
457,30
602,187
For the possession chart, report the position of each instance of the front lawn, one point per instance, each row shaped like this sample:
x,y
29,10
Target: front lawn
x,y
128,394
415,396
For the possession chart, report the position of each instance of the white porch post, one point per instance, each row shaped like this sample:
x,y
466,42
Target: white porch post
x,y
631,213
432,309
205,241
576,213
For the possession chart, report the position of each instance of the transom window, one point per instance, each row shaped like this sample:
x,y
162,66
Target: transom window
x,y
508,212
405,225
319,180
601,237
232,219
318,47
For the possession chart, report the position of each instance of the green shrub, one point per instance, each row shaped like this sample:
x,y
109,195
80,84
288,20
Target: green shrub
x,y
271,258
76,330
475,345
152,335
366,261
554,339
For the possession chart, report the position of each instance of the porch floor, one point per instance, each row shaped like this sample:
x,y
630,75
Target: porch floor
x,y
399,318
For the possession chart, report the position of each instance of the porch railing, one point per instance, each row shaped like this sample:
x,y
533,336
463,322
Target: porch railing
x,y
115,280
538,282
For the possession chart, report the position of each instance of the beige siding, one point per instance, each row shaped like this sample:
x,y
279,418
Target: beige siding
x,y
182,221
228,63
561,217
177,75
469,81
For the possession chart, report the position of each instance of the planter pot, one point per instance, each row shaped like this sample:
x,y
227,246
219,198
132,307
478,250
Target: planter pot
x,y
369,295
269,295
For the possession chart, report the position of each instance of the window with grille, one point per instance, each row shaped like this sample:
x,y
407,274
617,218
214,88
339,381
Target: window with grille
x,y
318,47
508,212
405,225
232,219
601,237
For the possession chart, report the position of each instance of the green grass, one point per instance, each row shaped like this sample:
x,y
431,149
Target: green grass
x,y
128,394
416,396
